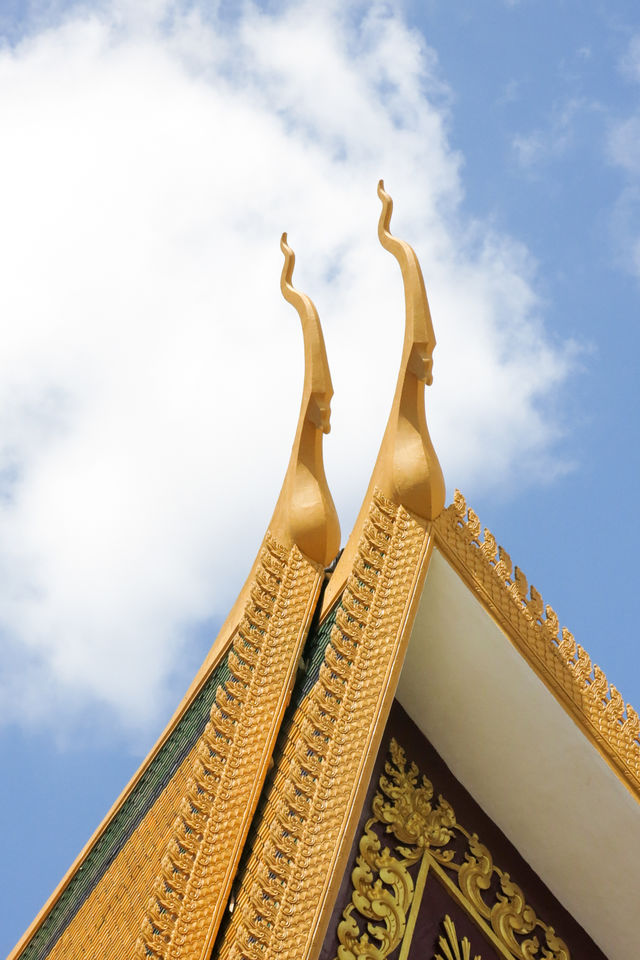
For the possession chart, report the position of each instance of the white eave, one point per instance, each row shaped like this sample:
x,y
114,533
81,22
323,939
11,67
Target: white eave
x,y
524,760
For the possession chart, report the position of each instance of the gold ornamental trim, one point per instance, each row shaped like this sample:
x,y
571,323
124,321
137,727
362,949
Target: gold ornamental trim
x,y
384,901
452,948
407,470
304,833
192,886
561,663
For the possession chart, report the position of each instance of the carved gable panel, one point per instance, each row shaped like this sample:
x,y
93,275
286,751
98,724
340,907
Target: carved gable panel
x,y
431,877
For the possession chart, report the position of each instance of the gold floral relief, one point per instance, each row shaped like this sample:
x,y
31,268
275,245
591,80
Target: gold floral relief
x,y
425,830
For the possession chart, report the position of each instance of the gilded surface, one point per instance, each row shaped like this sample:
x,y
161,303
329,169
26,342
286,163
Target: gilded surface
x,y
452,948
407,470
404,807
284,885
561,663
190,890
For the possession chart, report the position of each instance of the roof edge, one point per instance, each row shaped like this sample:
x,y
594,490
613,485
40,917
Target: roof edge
x,y
204,674
565,668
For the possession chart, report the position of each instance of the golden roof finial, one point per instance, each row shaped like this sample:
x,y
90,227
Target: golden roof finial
x,y
410,472
407,470
305,513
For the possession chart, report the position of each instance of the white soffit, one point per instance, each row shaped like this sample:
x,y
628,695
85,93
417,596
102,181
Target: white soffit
x,y
524,760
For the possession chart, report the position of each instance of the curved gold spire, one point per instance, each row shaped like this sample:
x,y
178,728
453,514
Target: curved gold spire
x,y
262,640
305,513
407,471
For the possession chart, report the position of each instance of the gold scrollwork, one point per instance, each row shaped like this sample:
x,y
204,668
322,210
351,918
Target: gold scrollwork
x,y
404,808
386,909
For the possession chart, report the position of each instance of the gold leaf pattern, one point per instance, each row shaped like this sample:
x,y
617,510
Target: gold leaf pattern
x,y
404,807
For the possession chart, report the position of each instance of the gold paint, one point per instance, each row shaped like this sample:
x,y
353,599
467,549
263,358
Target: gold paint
x,y
533,627
285,894
410,473
305,513
457,896
385,910
452,948
407,470
415,906
429,832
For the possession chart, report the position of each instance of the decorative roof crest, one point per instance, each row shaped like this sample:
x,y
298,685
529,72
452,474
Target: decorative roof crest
x,y
305,513
533,627
194,830
407,471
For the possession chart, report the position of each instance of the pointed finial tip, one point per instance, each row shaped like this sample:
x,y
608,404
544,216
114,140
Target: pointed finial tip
x,y
287,267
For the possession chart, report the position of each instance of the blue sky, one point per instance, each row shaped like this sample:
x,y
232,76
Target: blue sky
x,y
156,151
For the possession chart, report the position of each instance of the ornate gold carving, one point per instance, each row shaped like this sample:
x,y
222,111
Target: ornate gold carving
x,y
277,601
190,891
284,886
410,472
305,513
533,626
386,910
452,948
407,470
404,807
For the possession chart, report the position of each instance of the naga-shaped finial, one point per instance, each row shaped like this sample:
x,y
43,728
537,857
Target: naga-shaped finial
x,y
305,513
408,469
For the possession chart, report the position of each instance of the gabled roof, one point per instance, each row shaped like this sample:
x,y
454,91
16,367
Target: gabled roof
x,y
422,606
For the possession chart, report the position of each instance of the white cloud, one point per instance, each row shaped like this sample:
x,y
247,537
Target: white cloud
x,y
149,371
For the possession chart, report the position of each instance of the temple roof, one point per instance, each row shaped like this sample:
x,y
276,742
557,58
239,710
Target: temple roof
x,y
422,605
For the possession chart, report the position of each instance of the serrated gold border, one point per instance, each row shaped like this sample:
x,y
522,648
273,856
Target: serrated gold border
x,y
192,886
307,825
564,666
